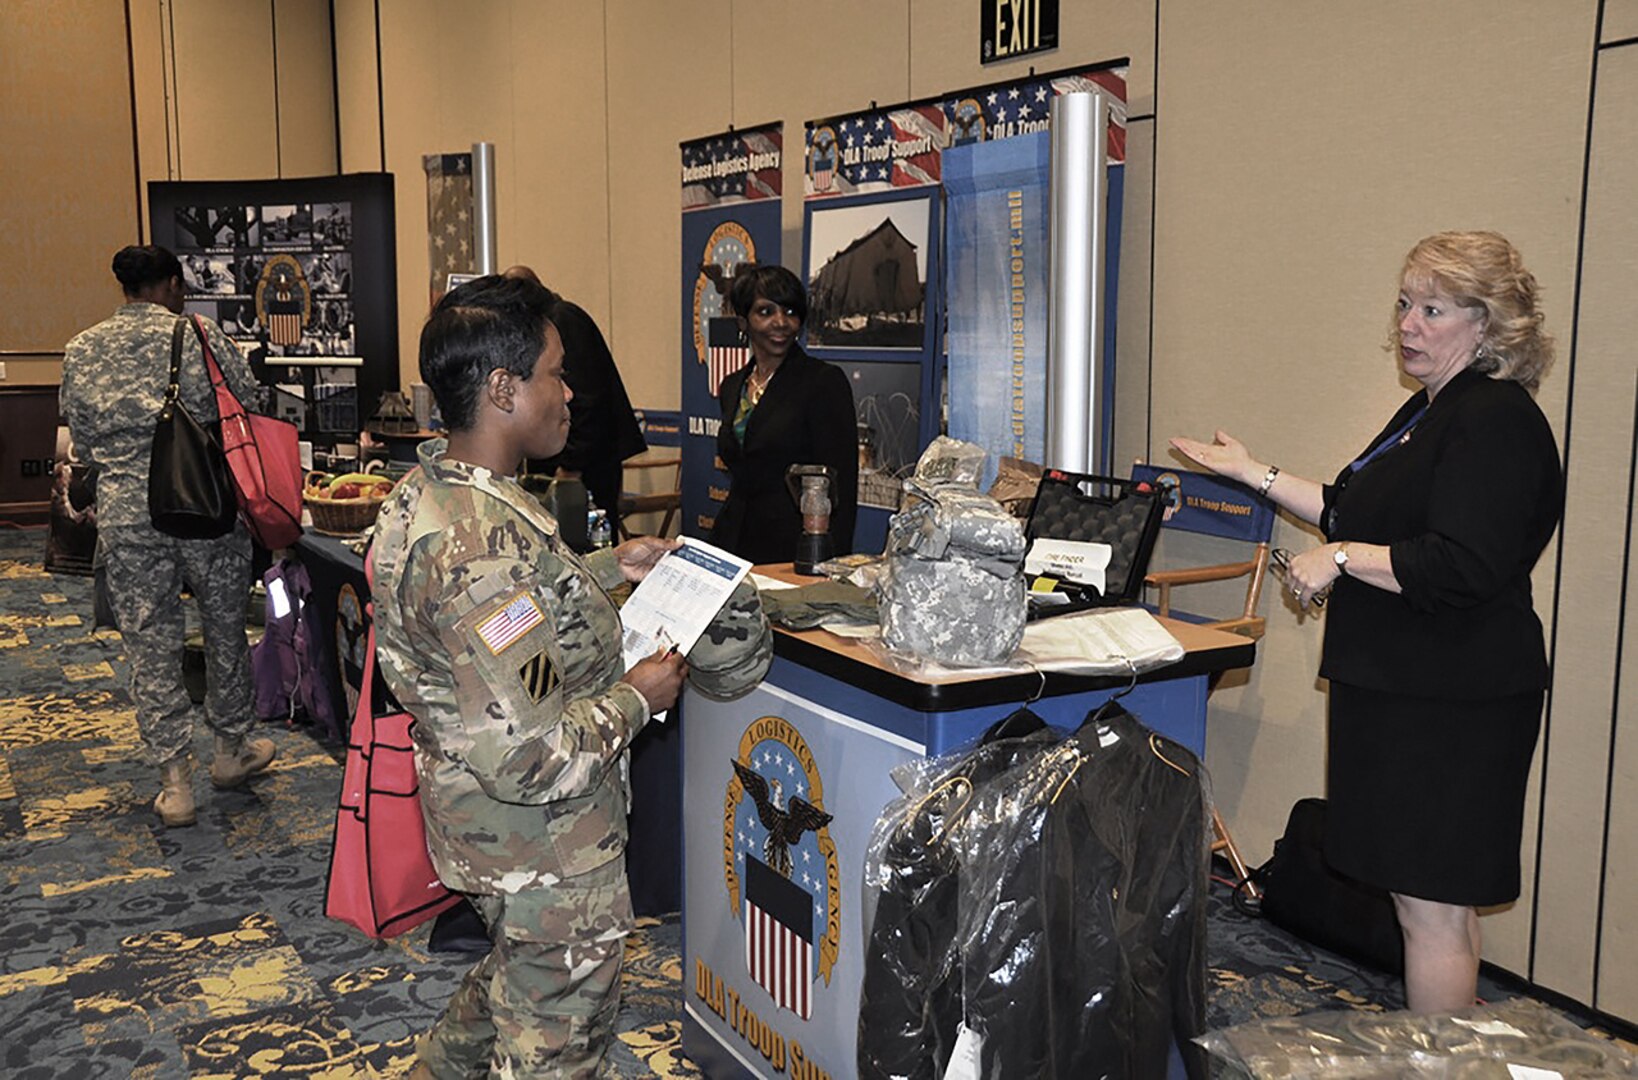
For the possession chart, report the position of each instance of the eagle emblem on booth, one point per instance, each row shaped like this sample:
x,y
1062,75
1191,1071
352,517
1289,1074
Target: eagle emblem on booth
x,y
717,344
780,864
284,300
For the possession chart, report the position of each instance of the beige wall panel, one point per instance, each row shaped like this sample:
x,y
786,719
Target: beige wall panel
x,y
414,83
1584,686
944,46
150,76
224,108
41,370
1620,20
800,62
669,80
1300,153
1596,524
1618,971
557,219
69,188
357,100
1132,436
307,92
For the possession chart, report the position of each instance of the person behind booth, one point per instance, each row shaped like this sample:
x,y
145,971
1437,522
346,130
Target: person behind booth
x,y
114,380
506,648
1434,653
603,431
784,408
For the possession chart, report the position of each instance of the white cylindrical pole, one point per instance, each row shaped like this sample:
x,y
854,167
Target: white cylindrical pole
x,y
483,206
1074,436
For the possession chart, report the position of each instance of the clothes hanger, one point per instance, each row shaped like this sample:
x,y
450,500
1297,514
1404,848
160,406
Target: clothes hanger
x,y
1021,721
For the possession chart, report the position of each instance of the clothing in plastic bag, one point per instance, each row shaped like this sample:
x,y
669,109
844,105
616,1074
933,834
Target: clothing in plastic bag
x,y
1079,938
1083,908
910,1000
1475,1044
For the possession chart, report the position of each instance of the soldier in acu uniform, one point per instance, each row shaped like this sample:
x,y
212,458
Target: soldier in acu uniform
x,y
505,647
114,380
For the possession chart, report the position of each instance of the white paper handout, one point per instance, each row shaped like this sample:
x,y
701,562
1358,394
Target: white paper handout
x,y
1083,562
678,599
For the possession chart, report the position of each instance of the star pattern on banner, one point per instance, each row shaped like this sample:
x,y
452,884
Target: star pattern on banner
x,y
449,218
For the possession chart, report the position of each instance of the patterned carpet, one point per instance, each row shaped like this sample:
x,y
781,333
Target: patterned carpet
x,y
130,950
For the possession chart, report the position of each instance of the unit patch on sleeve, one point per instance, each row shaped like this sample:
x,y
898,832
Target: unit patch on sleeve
x,y
539,676
506,626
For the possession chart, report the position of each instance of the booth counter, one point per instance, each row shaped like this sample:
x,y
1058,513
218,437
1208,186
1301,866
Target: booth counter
x,y
793,776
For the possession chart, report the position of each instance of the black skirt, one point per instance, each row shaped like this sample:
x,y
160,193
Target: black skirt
x,y
1427,796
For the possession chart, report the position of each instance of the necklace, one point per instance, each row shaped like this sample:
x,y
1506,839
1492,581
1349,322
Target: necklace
x,y
755,387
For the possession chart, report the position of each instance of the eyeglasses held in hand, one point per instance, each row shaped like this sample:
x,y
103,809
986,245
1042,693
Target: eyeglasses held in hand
x,y
1281,558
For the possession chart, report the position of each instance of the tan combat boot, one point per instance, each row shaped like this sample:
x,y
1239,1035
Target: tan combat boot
x,y
237,759
174,804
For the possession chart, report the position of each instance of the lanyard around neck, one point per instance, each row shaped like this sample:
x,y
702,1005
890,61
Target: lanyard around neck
x,y
1398,438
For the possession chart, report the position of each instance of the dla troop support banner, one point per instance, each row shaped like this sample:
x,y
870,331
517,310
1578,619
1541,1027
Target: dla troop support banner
x,y
996,175
731,187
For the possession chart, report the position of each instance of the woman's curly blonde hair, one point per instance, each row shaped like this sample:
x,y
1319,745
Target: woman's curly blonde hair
x,y
1483,270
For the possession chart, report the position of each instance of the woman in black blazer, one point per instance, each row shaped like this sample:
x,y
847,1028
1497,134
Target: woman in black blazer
x,y
784,408
1433,650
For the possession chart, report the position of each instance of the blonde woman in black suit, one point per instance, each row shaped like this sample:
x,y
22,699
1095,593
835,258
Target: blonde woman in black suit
x,y
784,408
1433,650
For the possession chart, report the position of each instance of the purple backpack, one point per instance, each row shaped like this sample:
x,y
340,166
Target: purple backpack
x,y
287,679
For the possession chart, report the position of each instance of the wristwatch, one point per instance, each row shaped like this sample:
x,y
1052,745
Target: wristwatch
x,y
1340,557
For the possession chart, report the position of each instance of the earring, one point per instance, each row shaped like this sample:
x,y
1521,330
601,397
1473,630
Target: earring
x,y
744,338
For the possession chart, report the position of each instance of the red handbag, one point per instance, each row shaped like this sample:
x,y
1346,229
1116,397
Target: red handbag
x,y
263,460
381,877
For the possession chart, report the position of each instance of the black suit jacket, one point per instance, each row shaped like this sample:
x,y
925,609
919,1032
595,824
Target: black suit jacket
x,y
1466,507
603,431
805,417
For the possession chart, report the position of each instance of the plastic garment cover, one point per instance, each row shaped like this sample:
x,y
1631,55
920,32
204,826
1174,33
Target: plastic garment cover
x,y
1079,937
1475,1044
910,1001
953,590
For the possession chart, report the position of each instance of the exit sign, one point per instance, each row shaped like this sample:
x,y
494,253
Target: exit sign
x,y
1009,29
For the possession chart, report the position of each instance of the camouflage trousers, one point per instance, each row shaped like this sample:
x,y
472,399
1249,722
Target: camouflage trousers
x,y
543,1001
146,572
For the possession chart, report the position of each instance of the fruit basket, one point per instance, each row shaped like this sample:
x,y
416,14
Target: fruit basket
x,y
344,505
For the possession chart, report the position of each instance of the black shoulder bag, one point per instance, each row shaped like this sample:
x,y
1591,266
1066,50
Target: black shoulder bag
x,y
190,493
1304,896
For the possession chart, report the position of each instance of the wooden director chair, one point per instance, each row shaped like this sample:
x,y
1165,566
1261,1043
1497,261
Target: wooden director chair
x,y
1215,512
645,502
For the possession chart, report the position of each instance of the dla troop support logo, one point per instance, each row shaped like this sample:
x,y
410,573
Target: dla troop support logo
x,y
780,864
284,300
967,122
717,341
823,159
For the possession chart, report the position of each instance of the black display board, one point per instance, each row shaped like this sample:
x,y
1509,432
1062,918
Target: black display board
x,y
303,275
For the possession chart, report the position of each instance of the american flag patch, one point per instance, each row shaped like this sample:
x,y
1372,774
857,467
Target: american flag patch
x,y
728,352
508,624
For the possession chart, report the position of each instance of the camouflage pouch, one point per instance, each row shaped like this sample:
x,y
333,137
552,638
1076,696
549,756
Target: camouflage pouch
x,y
953,589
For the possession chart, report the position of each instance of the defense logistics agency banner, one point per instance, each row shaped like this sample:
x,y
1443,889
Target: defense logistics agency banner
x,y
730,199
996,184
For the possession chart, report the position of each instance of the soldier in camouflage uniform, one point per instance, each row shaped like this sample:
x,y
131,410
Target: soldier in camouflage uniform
x,y
114,379
506,648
